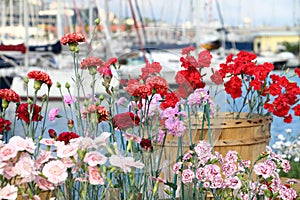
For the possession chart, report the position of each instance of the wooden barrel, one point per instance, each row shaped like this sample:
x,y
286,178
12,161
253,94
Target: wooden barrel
x,y
249,137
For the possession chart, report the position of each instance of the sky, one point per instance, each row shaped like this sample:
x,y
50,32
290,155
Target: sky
x,y
276,13
234,12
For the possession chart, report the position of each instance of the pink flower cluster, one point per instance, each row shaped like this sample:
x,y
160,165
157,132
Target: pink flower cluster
x,y
82,160
232,175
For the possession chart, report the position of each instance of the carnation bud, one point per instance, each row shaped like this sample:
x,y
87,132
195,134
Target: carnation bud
x,y
37,84
70,124
26,80
104,169
52,133
67,85
116,148
72,47
77,49
155,187
4,103
92,70
101,97
58,85
44,97
97,21
86,103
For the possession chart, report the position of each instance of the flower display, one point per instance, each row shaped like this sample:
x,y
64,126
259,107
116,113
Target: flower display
x,y
119,142
230,176
261,92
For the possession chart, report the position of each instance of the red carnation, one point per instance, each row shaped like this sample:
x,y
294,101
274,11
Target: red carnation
x,y
216,78
91,62
188,61
125,120
170,101
204,58
105,71
103,114
297,110
187,50
150,68
66,137
72,38
52,133
288,119
133,87
4,125
159,84
9,95
22,112
146,144
40,76
234,87
297,71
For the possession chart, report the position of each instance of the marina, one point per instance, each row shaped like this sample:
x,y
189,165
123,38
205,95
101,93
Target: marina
x,y
149,100
130,39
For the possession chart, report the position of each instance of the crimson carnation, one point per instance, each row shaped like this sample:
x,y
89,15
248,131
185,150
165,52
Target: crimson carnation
x,y
40,76
170,100
125,120
146,144
22,112
234,87
91,62
159,84
4,125
66,137
72,38
9,95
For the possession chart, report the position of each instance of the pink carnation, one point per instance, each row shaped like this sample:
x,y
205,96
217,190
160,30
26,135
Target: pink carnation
x,y
95,176
8,151
187,176
9,192
55,171
69,99
94,158
53,113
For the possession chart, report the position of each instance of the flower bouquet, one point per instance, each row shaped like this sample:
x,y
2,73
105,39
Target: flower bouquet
x,y
121,143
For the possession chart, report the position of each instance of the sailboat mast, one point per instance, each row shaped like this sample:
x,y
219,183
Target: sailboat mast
x,y
25,13
3,14
137,31
11,13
